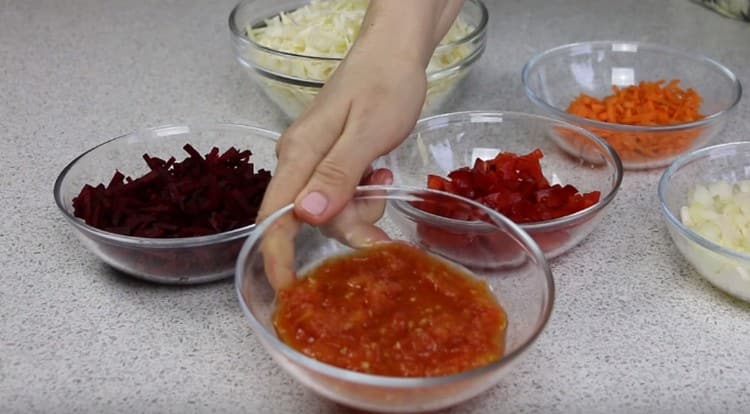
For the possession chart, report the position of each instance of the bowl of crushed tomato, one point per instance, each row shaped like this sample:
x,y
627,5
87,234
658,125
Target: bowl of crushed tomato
x,y
171,204
553,179
650,102
384,323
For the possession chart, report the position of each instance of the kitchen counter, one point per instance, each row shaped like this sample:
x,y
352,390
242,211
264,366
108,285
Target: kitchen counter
x,y
634,329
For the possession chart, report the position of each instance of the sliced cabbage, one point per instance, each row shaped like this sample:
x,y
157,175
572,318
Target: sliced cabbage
x,y
320,28
327,29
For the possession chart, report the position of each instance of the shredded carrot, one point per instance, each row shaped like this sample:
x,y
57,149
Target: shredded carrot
x,y
650,104
647,103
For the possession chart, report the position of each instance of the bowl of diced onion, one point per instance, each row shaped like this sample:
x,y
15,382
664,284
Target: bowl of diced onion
x,y
290,48
705,197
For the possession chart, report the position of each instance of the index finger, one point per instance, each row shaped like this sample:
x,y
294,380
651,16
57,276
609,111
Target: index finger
x,y
355,224
299,149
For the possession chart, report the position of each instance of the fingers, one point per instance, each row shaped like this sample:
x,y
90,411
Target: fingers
x,y
324,154
368,135
277,248
299,150
333,182
381,176
354,226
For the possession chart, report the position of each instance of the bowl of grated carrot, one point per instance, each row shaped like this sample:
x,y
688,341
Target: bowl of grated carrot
x,y
651,103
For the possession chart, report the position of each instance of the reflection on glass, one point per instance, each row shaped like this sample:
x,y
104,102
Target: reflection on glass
x,y
443,155
623,76
484,154
624,47
584,74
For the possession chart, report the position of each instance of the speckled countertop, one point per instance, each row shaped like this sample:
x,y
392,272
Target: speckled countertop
x,y
635,329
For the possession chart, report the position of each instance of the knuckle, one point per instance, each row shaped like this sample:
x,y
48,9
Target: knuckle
x,y
334,174
278,148
263,213
286,143
294,145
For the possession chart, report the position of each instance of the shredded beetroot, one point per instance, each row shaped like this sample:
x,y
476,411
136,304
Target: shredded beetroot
x,y
195,197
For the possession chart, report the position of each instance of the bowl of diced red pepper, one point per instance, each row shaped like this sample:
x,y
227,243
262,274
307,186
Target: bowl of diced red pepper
x,y
170,204
552,178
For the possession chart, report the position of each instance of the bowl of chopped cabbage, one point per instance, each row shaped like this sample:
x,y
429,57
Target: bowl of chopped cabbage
x,y
705,197
290,48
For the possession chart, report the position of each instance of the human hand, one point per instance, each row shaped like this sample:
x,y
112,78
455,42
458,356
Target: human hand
x,y
367,107
362,113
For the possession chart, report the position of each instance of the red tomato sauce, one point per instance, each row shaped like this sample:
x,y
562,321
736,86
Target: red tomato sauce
x,y
394,310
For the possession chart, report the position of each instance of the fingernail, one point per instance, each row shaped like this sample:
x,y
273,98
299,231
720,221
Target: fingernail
x,y
314,203
384,177
355,240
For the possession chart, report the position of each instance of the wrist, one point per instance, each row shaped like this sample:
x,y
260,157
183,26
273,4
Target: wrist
x,y
402,30
391,51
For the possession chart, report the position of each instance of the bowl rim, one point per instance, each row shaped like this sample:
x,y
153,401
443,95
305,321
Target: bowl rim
x,y
154,242
539,101
539,226
385,192
241,35
685,159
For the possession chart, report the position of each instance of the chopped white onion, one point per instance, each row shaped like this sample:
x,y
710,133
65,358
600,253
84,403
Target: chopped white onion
x,y
720,212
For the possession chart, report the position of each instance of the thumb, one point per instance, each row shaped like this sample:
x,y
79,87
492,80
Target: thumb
x,y
335,179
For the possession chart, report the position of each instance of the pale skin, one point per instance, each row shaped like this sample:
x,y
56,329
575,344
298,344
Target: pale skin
x,y
367,108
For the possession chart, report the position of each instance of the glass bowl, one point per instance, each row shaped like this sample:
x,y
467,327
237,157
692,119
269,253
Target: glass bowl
x,y
555,77
291,81
524,289
184,260
441,144
727,269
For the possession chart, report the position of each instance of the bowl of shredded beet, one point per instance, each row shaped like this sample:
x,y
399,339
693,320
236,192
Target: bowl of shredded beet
x,y
171,204
552,178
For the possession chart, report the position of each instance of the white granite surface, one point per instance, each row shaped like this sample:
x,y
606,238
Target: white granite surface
x,y
635,329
